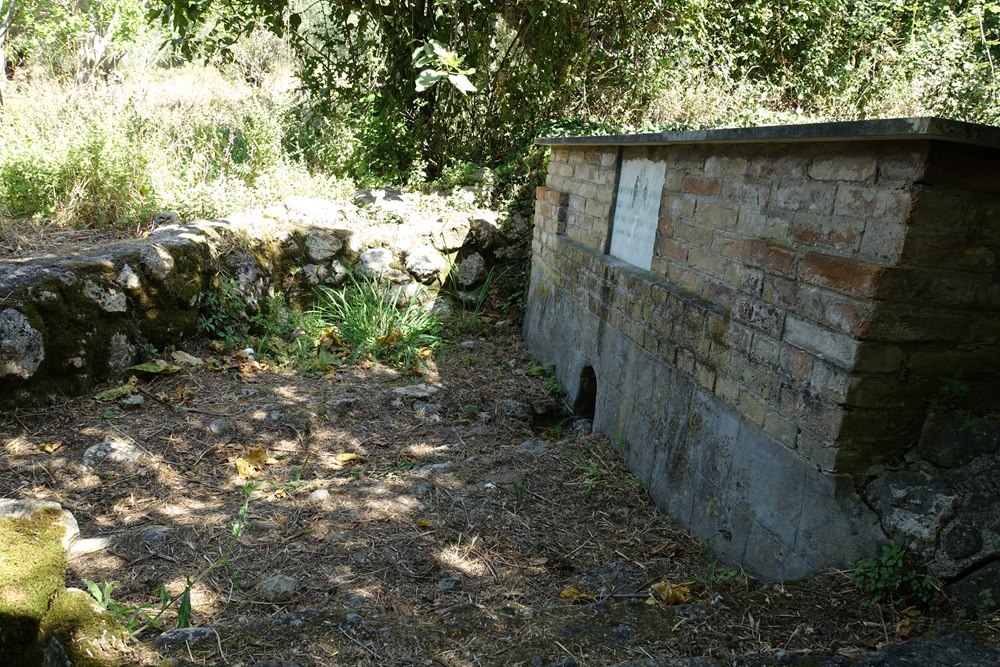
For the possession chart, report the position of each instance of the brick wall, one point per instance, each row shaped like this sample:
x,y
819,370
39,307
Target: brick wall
x,y
803,303
819,289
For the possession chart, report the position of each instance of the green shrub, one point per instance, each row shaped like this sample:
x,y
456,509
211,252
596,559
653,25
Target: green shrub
x,y
370,321
893,577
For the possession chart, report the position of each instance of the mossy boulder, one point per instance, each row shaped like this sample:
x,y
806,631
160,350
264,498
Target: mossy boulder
x,y
42,622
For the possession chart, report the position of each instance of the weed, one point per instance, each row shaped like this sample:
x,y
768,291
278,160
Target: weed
x,y
518,488
469,410
548,373
947,399
368,319
893,578
635,481
591,471
557,432
469,359
223,313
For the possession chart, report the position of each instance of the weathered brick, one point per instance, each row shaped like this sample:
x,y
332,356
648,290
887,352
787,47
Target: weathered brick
x,y
883,242
834,310
738,191
714,216
843,168
677,207
814,198
703,186
817,448
752,407
873,203
685,361
540,192
609,159
740,339
747,280
585,172
706,260
704,375
838,348
843,274
693,234
947,251
786,166
879,358
766,350
902,167
758,315
808,408
782,430
720,165
829,382
836,233
587,190
727,388
598,210
770,258
754,223
939,211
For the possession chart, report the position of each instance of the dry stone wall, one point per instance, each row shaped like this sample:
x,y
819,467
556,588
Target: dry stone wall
x,y
806,291
69,321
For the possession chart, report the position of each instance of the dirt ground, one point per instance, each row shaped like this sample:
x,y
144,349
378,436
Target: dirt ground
x,y
444,540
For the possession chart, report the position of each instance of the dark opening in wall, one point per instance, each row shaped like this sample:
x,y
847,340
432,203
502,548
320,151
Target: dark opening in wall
x,y
586,396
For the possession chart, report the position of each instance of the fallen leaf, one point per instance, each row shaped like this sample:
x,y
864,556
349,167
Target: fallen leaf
x,y
912,612
246,469
258,457
905,629
573,594
50,447
668,593
158,366
344,458
120,391
424,523
184,358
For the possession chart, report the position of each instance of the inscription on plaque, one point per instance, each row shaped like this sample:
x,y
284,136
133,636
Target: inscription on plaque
x,y
633,232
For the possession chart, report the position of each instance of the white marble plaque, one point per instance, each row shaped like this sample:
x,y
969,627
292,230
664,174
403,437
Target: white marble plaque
x,y
633,233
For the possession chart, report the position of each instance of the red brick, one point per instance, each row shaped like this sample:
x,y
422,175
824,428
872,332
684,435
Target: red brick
x,y
770,258
837,233
843,274
667,248
665,226
701,185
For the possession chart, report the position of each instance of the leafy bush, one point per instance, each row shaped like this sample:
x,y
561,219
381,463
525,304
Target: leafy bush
x,y
894,578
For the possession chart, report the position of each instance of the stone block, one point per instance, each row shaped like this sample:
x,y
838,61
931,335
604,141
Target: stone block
x,y
842,274
789,166
759,315
834,310
703,186
753,194
843,168
769,257
706,260
794,197
668,249
715,216
780,292
836,347
693,234
754,223
721,165
874,204
840,233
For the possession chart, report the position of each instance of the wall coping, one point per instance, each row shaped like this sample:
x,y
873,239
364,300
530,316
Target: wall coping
x,y
890,129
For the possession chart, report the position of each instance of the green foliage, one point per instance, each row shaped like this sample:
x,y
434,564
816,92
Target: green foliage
x,y
548,374
223,313
947,401
894,578
375,322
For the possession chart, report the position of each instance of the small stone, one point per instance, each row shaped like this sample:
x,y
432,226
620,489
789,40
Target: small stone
x,y
185,635
218,426
425,263
446,585
582,426
132,402
322,245
375,263
279,588
471,271
515,409
88,545
427,408
467,345
153,533
319,496
111,451
417,391
533,447
961,540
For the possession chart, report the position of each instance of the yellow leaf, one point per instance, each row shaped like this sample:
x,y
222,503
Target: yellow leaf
x,y
181,357
246,469
672,594
423,523
259,458
574,595
344,458
50,447
912,612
